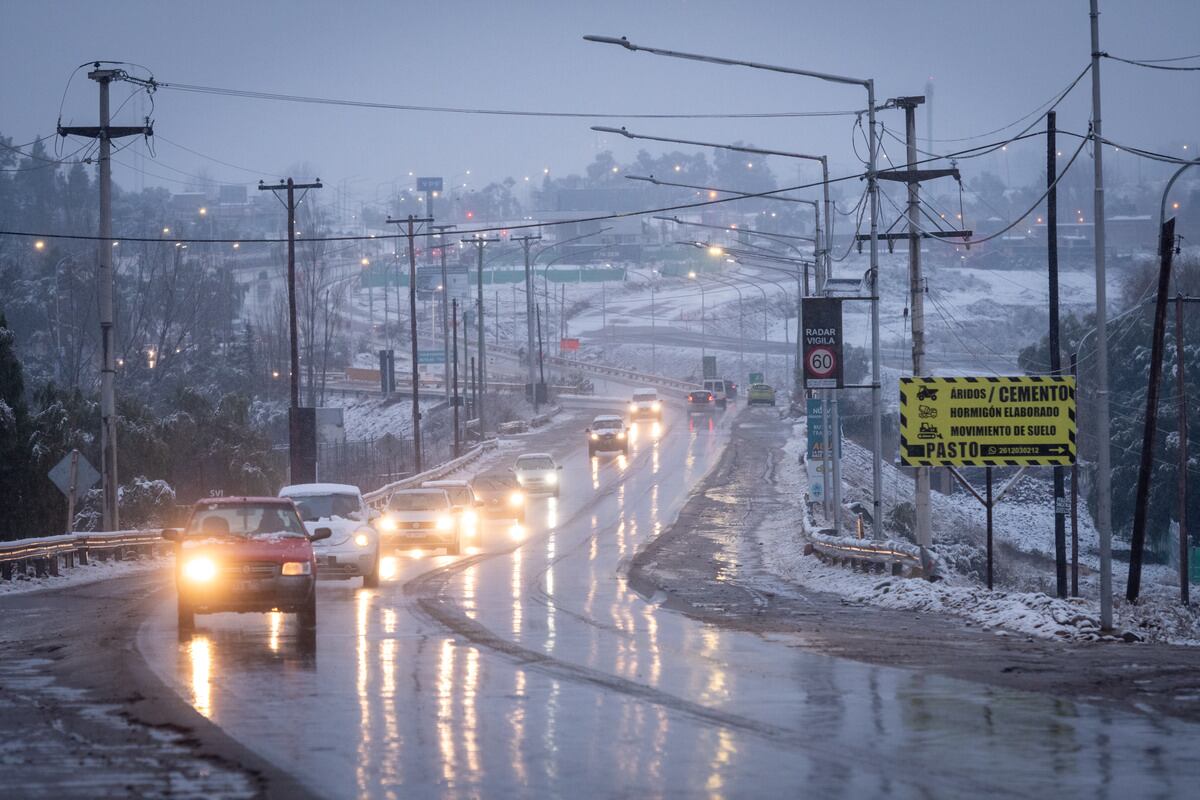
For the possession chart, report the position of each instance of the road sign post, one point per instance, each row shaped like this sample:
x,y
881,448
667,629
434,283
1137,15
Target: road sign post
x,y
73,474
1005,421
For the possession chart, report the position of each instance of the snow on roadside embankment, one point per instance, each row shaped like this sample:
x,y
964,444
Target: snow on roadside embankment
x,y
81,574
1157,617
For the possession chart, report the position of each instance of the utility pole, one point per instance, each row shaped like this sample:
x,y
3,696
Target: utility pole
x,y
1103,434
412,319
1181,397
527,242
441,229
1060,499
105,132
479,242
454,396
913,177
916,292
1137,543
299,467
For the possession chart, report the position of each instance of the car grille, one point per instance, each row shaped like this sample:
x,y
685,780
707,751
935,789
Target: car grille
x,y
249,569
415,526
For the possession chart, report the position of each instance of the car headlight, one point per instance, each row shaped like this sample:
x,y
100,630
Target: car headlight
x,y
621,435
297,568
200,569
516,498
444,523
656,406
362,539
552,479
595,436
633,406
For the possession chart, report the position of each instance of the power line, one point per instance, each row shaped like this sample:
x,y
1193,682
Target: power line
x,y
292,98
1056,99
522,226
1153,64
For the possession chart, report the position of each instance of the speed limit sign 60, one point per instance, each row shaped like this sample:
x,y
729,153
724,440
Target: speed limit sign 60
x,y
821,362
822,342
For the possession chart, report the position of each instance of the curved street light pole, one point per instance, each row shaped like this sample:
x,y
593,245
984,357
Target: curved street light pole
x,y
873,204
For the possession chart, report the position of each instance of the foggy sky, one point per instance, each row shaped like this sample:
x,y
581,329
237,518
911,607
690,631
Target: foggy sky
x,y
990,63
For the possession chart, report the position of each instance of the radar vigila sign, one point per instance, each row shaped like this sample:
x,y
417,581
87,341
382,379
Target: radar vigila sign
x,y
822,343
1010,421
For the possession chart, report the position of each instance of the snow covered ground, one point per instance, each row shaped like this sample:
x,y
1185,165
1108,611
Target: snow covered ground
x,y
82,574
1010,608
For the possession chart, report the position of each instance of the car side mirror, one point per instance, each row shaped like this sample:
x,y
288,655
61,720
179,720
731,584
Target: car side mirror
x,y
560,467
320,533
172,534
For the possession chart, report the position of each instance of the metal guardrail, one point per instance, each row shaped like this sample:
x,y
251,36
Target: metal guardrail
x,y
870,557
378,498
48,555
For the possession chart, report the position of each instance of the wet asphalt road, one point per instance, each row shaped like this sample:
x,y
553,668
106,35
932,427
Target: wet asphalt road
x,y
530,669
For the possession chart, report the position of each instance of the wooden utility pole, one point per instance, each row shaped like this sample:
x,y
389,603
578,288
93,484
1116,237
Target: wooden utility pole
x,y
454,396
299,466
481,344
105,133
526,242
412,322
1060,502
1181,393
441,230
1137,543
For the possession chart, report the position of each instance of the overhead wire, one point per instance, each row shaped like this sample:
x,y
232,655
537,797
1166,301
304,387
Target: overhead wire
x,y
309,99
1056,99
1151,64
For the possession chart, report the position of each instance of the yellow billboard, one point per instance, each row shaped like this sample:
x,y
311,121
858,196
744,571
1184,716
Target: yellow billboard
x,y
1007,421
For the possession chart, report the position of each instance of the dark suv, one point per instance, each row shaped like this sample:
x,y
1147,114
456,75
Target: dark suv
x,y
245,554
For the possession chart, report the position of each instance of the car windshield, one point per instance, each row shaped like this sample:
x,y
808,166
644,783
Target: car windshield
x,y
251,521
535,462
313,507
459,495
607,424
643,397
417,501
494,483
699,395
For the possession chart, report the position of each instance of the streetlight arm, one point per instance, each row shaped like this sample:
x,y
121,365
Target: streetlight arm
x,y
728,62
736,147
1162,206
757,195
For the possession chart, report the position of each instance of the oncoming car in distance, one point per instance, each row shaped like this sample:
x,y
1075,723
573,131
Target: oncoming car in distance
x,y
537,473
607,434
353,549
500,495
245,554
421,518
645,405
465,503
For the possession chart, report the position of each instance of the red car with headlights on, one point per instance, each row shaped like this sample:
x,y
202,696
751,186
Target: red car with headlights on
x,y
245,554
